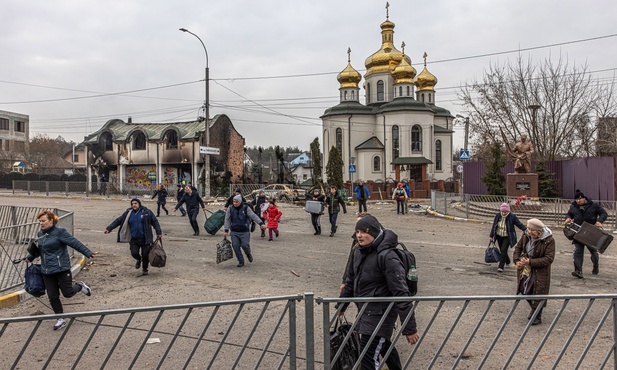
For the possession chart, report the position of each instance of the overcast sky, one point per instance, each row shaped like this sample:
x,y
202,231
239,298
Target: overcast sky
x,y
73,65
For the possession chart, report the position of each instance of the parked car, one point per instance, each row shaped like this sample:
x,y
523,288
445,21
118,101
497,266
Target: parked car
x,y
279,192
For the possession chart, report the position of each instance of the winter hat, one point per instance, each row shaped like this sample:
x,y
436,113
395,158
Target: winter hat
x,y
369,225
238,190
535,224
578,194
136,200
504,207
238,198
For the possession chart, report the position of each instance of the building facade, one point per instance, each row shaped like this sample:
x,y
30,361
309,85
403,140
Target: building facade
x,y
139,155
399,132
14,137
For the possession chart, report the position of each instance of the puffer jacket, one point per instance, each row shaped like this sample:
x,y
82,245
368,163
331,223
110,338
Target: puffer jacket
x,y
540,262
365,279
52,245
589,212
273,215
335,203
162,196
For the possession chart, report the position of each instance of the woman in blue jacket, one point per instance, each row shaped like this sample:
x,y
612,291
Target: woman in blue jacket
x,y
56,263
504,234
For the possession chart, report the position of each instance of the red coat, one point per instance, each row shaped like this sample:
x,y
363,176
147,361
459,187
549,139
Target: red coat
x,y
273,215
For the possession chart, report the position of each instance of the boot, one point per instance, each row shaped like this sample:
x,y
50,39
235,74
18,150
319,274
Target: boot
x,y
318,230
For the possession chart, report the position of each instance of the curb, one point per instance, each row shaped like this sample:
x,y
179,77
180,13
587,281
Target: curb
x,y
13,299
437,214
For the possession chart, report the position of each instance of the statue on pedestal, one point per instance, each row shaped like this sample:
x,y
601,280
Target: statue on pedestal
x,y
520,154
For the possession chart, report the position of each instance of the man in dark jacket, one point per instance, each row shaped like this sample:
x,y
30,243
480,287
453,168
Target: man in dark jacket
x,y
179,195
583,209
334,203
192,201
136,225
229,201
366,279
257,203
238,219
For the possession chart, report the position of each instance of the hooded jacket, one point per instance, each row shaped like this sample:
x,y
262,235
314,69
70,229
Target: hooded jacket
x,y
589,212
52,245
366,279
540,261
272,214
149,221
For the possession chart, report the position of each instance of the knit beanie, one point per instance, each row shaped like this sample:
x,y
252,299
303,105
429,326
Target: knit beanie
x,y
504,207
238,198
578,194
369,225
535,224
136,200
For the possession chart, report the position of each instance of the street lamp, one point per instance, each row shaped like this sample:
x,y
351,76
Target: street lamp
x,y
207,113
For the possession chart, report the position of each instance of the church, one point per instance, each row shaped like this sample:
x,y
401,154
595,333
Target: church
x,y
399,132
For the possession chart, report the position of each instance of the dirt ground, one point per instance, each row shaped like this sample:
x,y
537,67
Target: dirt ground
x,y
450,258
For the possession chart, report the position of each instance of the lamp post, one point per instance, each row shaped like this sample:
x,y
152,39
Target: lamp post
x,y
207,118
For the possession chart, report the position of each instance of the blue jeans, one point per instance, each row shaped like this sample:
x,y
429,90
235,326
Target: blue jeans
x,y
333,217
240,240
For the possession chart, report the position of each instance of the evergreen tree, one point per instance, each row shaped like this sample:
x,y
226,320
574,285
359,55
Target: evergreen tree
x,y
317,168
494,179
334,168
547,187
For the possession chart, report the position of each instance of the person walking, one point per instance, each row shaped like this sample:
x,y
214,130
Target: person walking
x,y
272,214
584,210
237,220
334,203
192,201
408,191
316,217
259,206
365,278
56,263
179,195
400,195
161,192
533,255
136,225
103,188
362,194
503,233
229,201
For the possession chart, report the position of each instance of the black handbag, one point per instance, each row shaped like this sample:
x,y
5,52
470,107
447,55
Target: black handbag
x,y
350,350
492,253
34,280
570,229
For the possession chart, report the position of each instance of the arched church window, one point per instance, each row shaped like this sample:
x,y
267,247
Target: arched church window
x,y
377,163
171,140
395,142
430,98
345,95
339,140
368,93
400,91
438,155
380,90
408,91
416,138
353,95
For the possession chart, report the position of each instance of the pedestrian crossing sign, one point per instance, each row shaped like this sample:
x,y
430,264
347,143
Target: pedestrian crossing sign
x,y
463,155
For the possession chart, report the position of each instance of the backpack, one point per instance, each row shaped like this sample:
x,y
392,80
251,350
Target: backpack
x,y
408,260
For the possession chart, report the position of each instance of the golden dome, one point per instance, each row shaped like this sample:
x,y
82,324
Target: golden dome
x,y
388,57
349,77
404,72
425,80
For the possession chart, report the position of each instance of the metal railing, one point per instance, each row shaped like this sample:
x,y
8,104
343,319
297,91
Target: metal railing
x,y
81,188
18,226
484,207
481,332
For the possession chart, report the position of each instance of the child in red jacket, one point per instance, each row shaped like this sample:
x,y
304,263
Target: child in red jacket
x,y
272,215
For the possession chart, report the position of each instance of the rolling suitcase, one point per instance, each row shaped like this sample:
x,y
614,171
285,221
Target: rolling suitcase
x,y
592,236
214,222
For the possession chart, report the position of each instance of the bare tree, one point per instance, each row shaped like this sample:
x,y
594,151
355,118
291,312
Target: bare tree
x,y
565,98
46,154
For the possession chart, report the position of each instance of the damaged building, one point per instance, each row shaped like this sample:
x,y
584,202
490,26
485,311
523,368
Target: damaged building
x,y
139,155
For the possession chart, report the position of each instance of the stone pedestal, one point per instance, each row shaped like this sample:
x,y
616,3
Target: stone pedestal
x,y
518,184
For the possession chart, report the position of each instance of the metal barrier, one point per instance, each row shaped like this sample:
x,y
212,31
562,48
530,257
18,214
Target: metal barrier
x,y
14,240
484,207
276,333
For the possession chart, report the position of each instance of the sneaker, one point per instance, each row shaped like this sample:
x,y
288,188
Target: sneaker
x,y
499,269
596,270
138,264
331,234
269,240
59,324
277,234
250,257
577,274
144,272
85,288
240,264
183,215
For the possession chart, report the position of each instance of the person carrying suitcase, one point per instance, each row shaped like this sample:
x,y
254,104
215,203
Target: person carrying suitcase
x,y
584,210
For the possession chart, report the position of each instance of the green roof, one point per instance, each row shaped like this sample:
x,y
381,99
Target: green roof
x,y
372,143
348,107
411,160
405,103
441,129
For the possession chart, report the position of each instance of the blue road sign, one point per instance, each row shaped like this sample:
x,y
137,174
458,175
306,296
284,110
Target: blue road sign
x,y
352,168
463,155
